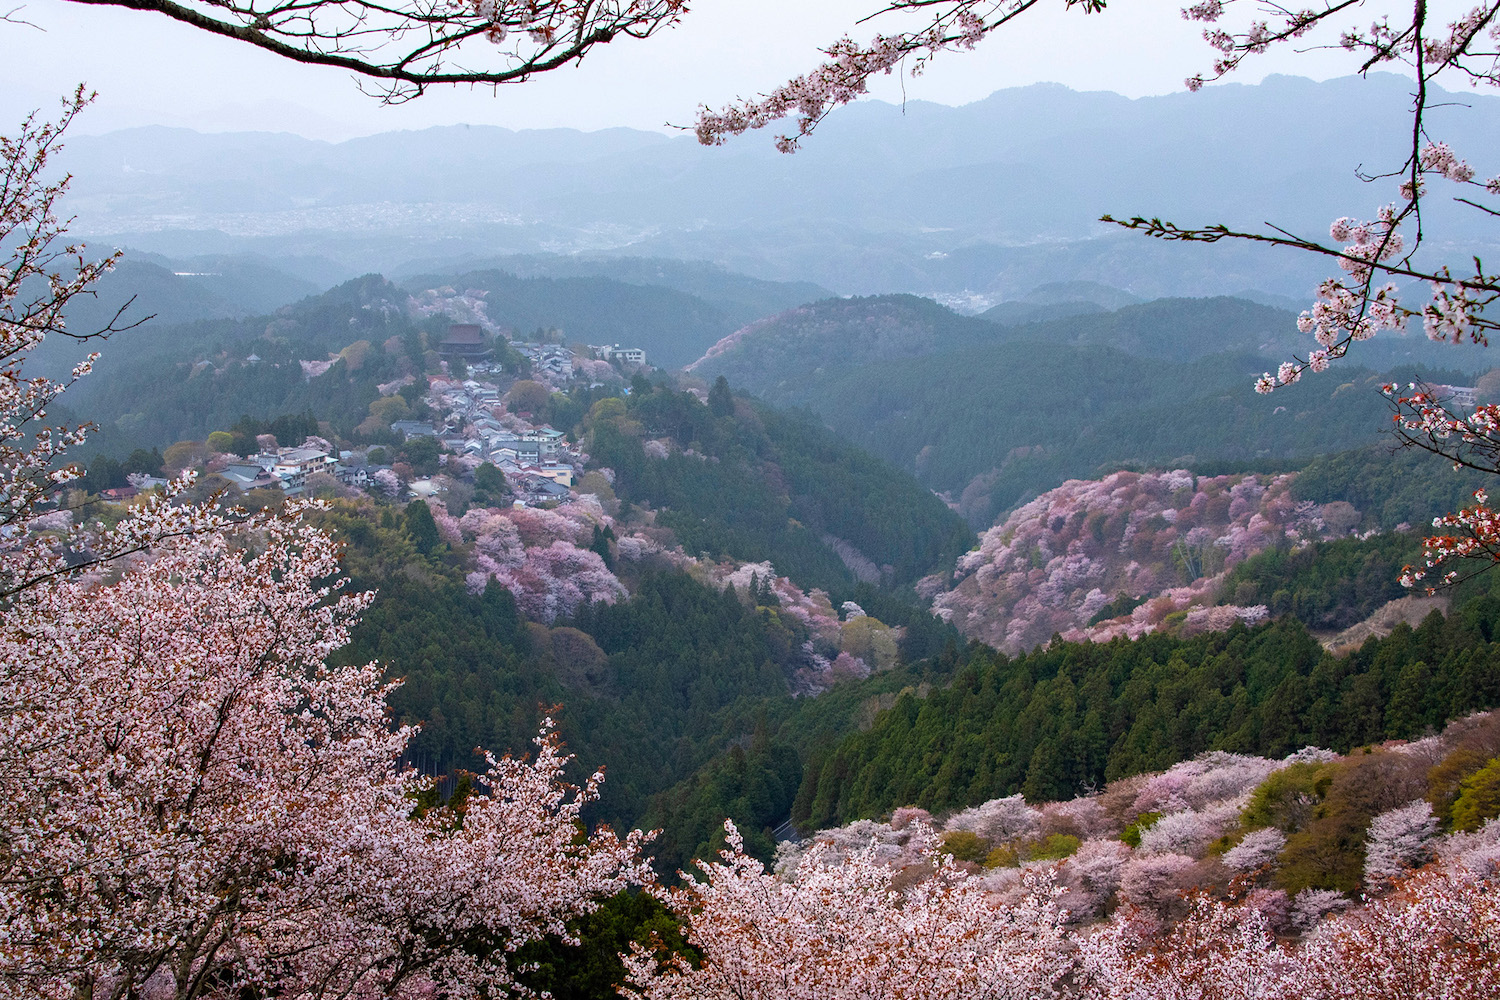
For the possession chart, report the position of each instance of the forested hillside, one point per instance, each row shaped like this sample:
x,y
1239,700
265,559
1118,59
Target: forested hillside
x,y
757,484
161,384
656,684
675,310
1054,722
997,414
189,360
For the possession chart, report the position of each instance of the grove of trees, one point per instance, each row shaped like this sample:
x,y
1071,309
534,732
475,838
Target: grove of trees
x,y
195,802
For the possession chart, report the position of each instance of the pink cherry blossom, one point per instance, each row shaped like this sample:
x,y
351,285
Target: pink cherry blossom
x,y
849,930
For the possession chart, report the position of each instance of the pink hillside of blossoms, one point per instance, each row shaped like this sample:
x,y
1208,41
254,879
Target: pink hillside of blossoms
x,y
1058,561
542,557
535,554
1186,884
1210,879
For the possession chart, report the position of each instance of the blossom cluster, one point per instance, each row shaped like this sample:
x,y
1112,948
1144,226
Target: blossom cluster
x,y
539,555
885,909
1473,439
1165,539
855,927
467,306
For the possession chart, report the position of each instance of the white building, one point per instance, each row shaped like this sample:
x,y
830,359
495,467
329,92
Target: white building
x,y
629,355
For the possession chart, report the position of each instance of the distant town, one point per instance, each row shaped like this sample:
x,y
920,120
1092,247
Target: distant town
x,y
471,423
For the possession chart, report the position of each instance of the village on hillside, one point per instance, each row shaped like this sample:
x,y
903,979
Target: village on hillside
x,y
480,411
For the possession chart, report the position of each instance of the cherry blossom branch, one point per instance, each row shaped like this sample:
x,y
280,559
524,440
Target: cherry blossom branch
x,y
1422,420
407,46
1354,309
41,276
9,17
950,25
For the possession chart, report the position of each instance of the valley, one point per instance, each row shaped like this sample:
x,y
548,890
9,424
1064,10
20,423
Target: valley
x,y
892,529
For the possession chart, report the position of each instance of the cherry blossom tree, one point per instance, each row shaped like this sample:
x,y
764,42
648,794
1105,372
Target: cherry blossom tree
x,y
193,797
1398,840
1189,831
1257,849
1092,876
387,482
555,580
1155,880
847,930
998,820
1210,777
1217,951
192,802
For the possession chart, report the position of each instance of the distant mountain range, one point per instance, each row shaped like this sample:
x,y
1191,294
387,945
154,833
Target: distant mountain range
x,y
978,204
671,309
674,310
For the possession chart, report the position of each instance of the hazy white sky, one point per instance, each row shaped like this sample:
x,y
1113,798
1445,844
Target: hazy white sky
x,y
149,70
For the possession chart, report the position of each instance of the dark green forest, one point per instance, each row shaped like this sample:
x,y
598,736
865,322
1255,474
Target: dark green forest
x,y
1033,416
1053,723
1390,485
757,484
649,687
1327,585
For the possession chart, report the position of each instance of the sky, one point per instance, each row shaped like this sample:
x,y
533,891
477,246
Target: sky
x,y
150,70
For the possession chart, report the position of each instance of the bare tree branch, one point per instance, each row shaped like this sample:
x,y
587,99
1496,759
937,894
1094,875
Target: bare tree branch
x,y
407,46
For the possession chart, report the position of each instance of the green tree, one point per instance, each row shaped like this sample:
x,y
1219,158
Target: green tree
x,y
422,528
422,454
720,399
490,487
1478,798
527,396
602,537
148,462
185,455
389,408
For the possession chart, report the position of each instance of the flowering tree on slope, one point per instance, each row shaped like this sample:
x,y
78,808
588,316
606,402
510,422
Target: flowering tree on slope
x,y
847,929
192,803
1436,936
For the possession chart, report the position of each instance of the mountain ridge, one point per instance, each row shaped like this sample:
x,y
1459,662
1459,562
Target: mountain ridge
x,y
991,197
